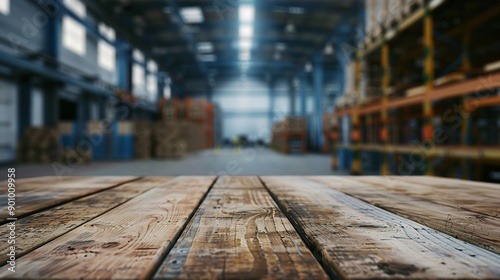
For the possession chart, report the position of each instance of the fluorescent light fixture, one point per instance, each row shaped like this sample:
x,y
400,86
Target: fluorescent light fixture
x,y
5,7
247,13
309,67
207,57
192,15
296,10
205,47
246,31
280,46
245,56
329,49
245,44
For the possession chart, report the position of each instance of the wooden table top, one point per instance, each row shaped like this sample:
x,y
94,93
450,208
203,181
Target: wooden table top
x,y
252,228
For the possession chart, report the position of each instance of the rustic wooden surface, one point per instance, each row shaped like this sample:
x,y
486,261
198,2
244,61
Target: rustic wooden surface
x,y
124,243
254,228
35,194
465,210
360,241
40,228
239,232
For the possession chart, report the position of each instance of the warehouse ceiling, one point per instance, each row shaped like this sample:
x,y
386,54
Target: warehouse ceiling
x,y
195,38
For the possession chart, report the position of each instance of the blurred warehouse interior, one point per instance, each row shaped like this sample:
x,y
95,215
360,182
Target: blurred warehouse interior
x,y
283,87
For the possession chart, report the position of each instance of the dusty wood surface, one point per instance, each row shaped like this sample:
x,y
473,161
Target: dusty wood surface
x,y
239,233
40,228
360,241
35,194
450,206
125,243
481,198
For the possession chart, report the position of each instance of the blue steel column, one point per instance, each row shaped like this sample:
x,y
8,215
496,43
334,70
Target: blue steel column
x,y
291,85
318,98
101,105
53,49
161,85
24,105
123,59
303,94
271,103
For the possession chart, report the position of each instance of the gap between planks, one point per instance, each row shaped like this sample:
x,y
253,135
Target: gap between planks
x,y
126,242
42,227
432,202
360,241
30,202
239,232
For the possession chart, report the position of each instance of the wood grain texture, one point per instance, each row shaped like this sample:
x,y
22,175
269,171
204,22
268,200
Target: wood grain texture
x,y
40,228
481,198
462,209
125,243
35,194
239,233
361,241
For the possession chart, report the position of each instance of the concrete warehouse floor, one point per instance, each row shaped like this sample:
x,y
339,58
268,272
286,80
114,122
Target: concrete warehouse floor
x,y
211,162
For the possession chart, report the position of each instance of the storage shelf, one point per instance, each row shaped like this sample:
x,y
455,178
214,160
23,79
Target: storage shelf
x,y
444,92
487,153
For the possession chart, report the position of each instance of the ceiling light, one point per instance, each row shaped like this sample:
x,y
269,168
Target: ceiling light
x,y
277,56
246,31
207,57
192,15
280,46
296,10
329,49
309,67
245,56
245,44
247,13
205,47
290,28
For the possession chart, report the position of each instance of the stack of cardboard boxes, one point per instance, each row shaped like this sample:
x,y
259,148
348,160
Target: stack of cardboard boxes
x,y
39,145
181,130
290,135
143,145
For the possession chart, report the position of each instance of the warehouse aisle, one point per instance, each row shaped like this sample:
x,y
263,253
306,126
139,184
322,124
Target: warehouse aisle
x,y
223,162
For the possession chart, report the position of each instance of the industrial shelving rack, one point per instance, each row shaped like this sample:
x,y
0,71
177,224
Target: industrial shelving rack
x,y
426,91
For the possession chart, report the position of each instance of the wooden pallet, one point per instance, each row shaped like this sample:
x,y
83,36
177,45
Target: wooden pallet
x,y
254,228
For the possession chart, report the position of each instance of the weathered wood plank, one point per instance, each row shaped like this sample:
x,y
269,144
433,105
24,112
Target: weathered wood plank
x,y
239,233
482,198
428,205
37,229
126,242
360,241
34,195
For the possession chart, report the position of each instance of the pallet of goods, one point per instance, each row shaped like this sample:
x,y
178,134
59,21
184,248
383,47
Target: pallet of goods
x,y
39,145
143,145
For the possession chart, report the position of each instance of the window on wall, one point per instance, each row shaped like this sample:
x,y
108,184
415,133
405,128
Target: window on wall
x,y
73,36
167,93
152,87
138,75
138,56
152,67
5,7
107,32
77,7
106,55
